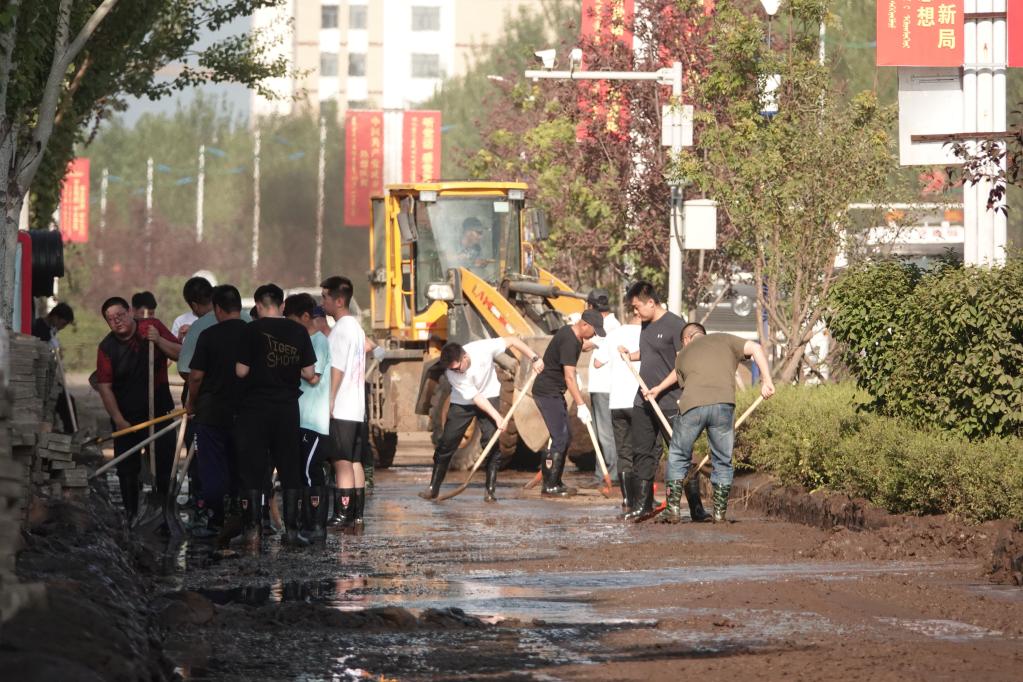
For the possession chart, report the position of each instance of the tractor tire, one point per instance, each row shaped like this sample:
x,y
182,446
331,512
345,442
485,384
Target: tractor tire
x,y
469,448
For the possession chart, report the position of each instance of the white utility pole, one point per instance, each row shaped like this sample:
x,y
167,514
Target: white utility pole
x,y
149,214
200,189
984,98
668,76
320,200
103,184
255,205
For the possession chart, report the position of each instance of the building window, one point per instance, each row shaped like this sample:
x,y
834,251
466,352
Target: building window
x,y
425,18
328,16
328,64
357,64
357,17
358,104
426,66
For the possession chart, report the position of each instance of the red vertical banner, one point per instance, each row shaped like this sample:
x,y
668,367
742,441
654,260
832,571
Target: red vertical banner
x,y
1015,24
420,153
74,203
604,23
364,164
920,32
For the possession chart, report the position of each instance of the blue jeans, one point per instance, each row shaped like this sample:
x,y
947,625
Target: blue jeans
x,y
605,434
718,420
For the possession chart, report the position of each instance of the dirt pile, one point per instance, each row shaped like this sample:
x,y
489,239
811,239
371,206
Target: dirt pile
x,y
859,530
95,622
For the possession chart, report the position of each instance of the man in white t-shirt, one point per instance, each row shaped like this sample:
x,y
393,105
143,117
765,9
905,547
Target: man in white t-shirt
x,y
599,386
347,400
623,386
475,394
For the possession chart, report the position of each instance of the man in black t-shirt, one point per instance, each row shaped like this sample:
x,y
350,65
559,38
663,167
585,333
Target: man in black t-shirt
x,y
274,353
659,342
213,392
558,373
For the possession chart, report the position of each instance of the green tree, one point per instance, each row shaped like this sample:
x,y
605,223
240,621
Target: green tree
x,y
66,63
785,183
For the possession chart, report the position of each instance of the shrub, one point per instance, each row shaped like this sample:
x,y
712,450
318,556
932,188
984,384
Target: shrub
x,y
942,348
817,437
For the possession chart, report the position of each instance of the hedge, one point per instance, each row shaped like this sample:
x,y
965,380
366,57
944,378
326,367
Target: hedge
x,y
817,437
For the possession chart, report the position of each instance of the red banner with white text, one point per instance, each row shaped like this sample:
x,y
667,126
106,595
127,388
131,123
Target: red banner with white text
x,y
74,203
364,164
604,23
420,153
1015,23
920,33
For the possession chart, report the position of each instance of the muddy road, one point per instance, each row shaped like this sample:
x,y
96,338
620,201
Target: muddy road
x,y
531,589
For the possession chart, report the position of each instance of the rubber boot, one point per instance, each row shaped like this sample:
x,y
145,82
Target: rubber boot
x,y
345,506
359,506
319,507
696,511
673,504
624,480
721,493
333,506
232,527
493,465
292,536
129,495
440,470
642,499
252,527
553,467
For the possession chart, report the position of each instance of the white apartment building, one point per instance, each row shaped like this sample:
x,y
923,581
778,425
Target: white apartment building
x,y
376,54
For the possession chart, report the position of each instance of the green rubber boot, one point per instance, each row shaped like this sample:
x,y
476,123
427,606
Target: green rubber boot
x,y
673,504
721,493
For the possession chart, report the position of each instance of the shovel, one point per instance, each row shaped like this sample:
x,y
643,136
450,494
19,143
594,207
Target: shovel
x,y
136,427
170,504
491,443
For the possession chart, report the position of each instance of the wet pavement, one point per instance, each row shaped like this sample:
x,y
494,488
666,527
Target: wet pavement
x,y
539,589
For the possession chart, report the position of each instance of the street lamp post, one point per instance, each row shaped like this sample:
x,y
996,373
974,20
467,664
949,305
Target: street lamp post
x,y
667,76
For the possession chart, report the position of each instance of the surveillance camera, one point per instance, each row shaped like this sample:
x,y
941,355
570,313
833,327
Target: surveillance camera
x,y
575,57
546,57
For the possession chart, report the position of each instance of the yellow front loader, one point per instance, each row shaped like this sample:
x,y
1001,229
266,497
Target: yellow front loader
x,y
453,261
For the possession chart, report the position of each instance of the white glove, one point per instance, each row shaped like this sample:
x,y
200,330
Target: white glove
x,y
378,353
583,413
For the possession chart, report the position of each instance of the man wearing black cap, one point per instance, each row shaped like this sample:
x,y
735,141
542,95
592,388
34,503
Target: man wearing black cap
x,y
559,373
599,386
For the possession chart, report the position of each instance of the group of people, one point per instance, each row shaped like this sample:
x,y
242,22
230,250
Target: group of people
x,y
654,363
274,390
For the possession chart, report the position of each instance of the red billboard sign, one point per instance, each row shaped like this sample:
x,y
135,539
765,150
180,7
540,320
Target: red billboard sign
x,y
920,33
1015,23
74,203
604,22
364,164
420,153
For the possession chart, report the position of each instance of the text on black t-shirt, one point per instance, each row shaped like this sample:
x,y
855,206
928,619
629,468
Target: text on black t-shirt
x,y
275,350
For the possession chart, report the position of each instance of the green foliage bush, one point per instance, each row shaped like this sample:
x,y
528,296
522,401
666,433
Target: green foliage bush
x,y
942,348
817,437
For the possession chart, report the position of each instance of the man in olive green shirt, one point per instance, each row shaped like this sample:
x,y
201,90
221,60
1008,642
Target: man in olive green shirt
x,y
705,369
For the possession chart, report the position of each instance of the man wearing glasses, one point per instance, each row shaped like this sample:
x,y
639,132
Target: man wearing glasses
x,y
122,379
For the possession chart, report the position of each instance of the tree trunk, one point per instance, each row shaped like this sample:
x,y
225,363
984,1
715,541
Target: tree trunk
x,y
790,363
8,250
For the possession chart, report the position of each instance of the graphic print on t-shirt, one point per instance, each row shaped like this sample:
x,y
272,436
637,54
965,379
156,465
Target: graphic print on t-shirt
x,y
279,353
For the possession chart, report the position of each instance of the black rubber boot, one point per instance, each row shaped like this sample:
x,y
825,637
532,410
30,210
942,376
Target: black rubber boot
x,y
643,499
493,466
623,485
292,536
252,527
440,470
721,493
359,506
130,495
334,510
672,512
628,484
696,511
318,506
345,506
553,467
232,527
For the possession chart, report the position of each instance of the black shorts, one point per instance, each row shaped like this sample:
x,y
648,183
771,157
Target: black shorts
x,y
316,449
350,441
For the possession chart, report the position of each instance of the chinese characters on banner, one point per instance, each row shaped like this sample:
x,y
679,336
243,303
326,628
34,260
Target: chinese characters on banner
x,y
920,32
74,203
1015,25
364,164
420,154
604,22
